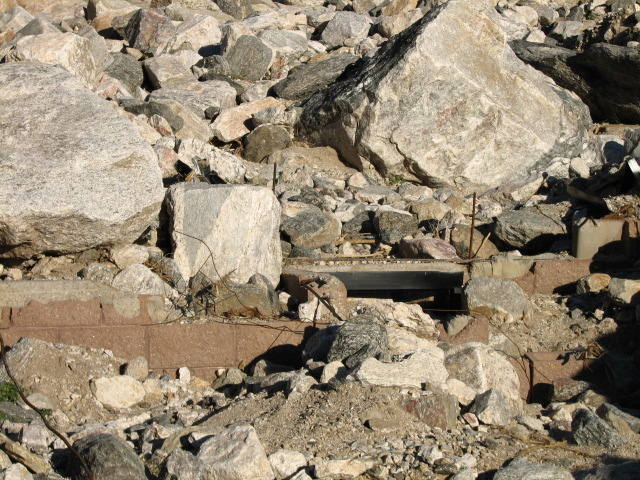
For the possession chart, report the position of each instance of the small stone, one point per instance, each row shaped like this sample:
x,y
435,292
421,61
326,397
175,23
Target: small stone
x,y
346,26
249,59
141,280
392,226
427,248
339,468
462,392
16,471
126,255
265,140
137,368
430,210
184,375
118,392
624,290
594,283
528,229
497,298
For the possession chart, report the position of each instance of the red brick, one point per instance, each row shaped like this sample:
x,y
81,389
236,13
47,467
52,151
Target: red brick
x,y
125,342
57,314
552,275
195,346
13,334
255,340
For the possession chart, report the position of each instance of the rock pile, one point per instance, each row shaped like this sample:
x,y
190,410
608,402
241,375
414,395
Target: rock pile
x,y
205,151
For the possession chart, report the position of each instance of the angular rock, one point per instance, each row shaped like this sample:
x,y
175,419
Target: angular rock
x,y
286,44
492,408
434,407
357,340
521,469
590,430
125,68
182,465
460,235
286,462
109,457
118,392
496,298
528,229
199,33
84,145
141,280
624,290
482,368
375,113
249,59
594,283
199,96
68,50
311,227
235,454
230,124
239,224
346,26
307,79
427,248
392,226
423,366
167,70
265,140
224,165
149,31
125,255
623,422
17,471
430,210
341,468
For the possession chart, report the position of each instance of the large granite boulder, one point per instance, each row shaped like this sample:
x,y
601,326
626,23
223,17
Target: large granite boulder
x,y
225,231
448,102
75,174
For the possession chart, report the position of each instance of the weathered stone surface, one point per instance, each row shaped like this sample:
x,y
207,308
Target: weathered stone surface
x,y
108,457
376,112
482,368
589,429
286,462
287,44
624,290
239,224
423,366
118,392
182,465
492,408
430,210
149,31
594,283
125,255
528,229
427,248
223,164
345,26
341,468
308,78
496,298
623,422
392,226
357,340
137,368
434,407
265,140
125,68
460,235
69,50
199,96
521,469
84,145
167,70
235,454
199,33
619,471
17,471
249,58
310,227
141,280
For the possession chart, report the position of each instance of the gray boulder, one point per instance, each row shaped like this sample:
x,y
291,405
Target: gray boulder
x,y
590,430
199,96
265,140
109,457
358,339
521,469
229,231
127,69
311,227
101,183
307,79
500,120
249,58
391,225
528,229
181,465
344,27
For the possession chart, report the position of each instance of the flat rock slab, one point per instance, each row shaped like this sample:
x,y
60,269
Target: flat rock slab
x,y
75,174
230,231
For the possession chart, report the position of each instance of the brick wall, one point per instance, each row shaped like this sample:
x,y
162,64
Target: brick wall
x,y
201,347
